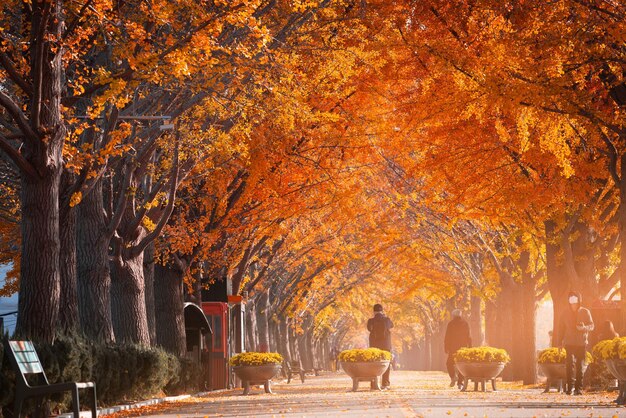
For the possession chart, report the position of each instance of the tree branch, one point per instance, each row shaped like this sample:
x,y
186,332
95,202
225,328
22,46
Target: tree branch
x,y
25,167
18,116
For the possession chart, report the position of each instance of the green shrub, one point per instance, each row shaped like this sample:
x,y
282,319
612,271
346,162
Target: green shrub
x,y
121,372
188,377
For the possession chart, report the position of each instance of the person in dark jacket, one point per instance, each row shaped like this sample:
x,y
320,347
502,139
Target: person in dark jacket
x,y
379,328
574,327
457,336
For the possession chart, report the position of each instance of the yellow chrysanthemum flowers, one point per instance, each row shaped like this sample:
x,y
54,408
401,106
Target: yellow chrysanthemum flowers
x,y
255,359
364,354
557,355
482,355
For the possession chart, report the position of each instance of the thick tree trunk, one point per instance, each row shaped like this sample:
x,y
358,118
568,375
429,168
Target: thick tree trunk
x,y
621,222
262,308
491,325
68,308
557,282
438,354
283,341
303,349
39,294
169,314
38,306
148,274
274,333
310,348
94,278
476,321
128,301
506,303
584,264
427,356
529,340
251,327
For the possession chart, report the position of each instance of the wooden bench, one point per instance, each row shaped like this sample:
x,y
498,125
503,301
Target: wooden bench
x,y
25,360
293,368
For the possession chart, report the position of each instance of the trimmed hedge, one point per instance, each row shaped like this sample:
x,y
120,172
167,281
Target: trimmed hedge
x,y
122,372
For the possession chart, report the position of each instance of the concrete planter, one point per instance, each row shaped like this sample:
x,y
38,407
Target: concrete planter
x,y
257,375
617,367
555,374
365,371
480,373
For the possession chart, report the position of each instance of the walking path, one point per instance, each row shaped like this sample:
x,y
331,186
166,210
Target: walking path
x,y
413,394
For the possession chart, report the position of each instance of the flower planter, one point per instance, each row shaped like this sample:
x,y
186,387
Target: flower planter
x,y
617,367
555,374
365,371
480,373
257,375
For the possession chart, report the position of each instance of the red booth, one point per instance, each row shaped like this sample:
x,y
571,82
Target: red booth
x,y
226,315
217,315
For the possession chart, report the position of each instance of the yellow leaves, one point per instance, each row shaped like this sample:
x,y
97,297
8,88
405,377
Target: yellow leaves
x,y
76,198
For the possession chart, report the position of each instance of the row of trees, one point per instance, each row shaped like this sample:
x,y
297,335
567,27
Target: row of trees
x,y
325,155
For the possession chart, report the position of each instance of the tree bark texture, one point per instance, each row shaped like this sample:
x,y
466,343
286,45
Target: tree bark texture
x,y
148,274
476,321
94,278
38,306
251,327
169,305
283,341
262,308
128,301
68,307
529,339
39,294
557,281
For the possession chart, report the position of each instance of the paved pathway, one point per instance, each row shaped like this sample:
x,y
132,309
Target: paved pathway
x,y
413,394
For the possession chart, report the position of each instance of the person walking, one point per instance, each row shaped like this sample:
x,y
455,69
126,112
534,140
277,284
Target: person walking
x,y
457,336
379,328
574,327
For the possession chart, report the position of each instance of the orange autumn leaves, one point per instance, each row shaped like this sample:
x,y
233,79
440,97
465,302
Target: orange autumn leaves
x,y
354,146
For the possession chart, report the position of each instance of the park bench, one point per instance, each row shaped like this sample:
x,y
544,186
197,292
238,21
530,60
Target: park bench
x,y
293,368
26,362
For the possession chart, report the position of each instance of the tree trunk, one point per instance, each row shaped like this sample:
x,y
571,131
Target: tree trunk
x,y
38,306
476,321
68,308
427,356
621,222
128,301
39,294
557,282
506,303
491,325
251,326
274,335
529,340
94,278
148,275
262,308
310,348
304,350
169,313
283,341
438,354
